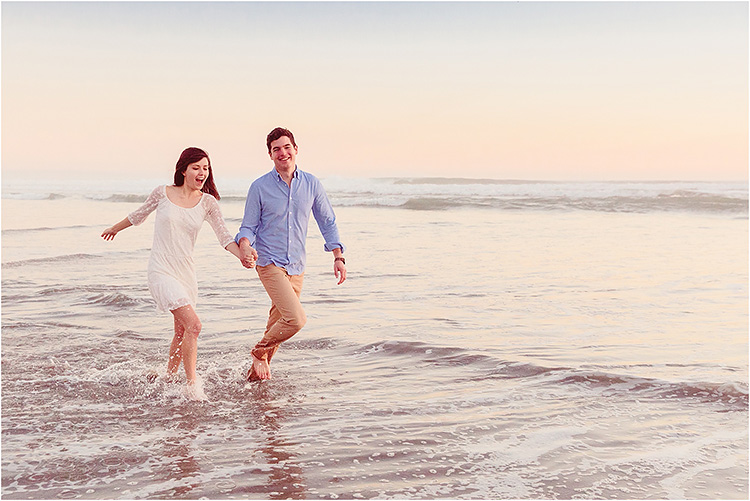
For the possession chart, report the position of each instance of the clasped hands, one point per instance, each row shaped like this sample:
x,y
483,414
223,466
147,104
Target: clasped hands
x,y
248,256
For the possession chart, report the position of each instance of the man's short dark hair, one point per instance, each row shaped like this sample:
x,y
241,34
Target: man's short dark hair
x,y
277,133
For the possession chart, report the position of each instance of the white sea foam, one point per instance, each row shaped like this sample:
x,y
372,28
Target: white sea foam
x,y
194,391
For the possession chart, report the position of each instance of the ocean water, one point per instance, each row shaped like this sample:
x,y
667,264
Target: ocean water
x,y
494,339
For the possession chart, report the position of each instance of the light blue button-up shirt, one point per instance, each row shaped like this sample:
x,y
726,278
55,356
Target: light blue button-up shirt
x,y
276,218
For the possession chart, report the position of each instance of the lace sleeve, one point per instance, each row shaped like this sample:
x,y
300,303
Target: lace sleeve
x,y
216,220
139,215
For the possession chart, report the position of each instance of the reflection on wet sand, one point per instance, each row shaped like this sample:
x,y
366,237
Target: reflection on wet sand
x,y
285,480
267,467
178,464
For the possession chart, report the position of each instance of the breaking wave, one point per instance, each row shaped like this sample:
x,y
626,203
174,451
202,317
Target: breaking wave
x,y
731,396
431,194
436,194
680,202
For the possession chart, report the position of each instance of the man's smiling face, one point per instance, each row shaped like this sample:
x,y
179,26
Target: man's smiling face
x,y
284,154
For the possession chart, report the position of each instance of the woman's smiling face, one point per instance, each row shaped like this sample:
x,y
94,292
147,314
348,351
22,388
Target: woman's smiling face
x,y
196,174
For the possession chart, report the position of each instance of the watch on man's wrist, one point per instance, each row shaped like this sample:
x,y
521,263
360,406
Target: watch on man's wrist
x,y
343,261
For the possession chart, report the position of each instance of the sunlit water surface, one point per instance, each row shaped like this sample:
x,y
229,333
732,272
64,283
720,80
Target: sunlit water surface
x,y
472,353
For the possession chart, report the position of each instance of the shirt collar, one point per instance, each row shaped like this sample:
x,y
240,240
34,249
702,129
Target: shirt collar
x,y
295,174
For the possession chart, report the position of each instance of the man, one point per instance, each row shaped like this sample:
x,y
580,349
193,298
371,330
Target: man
x,y
273,232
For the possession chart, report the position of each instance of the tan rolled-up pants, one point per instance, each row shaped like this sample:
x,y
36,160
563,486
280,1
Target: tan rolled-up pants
x,y
286,317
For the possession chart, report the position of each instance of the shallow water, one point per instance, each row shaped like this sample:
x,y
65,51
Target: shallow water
x,y
477,352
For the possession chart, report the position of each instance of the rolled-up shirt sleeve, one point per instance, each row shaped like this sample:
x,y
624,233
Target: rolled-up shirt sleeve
x,y
326,219
251,217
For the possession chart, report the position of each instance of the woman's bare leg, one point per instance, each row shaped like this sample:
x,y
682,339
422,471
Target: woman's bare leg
x,y
175,350
187,343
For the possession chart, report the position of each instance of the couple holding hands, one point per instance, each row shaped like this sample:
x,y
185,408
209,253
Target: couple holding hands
x,y
271,239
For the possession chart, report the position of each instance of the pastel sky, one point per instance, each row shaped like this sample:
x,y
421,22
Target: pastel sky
x,y
506,90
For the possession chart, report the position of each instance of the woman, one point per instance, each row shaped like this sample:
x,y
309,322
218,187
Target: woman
x,y
180,212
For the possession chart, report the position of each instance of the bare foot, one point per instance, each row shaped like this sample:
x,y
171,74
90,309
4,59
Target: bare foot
x,y
259,371
152,376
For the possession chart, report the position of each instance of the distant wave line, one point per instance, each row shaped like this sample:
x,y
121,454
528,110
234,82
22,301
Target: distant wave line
x,y
469,181
48,260
48,228
461,181
662,203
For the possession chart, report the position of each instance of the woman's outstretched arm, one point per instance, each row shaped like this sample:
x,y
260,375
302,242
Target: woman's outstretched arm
x,y
110,232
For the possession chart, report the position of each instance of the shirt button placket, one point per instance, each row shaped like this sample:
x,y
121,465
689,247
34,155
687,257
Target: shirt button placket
x,y
289,232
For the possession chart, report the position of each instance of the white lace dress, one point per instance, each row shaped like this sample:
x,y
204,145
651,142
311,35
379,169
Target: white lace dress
x,y
171,271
